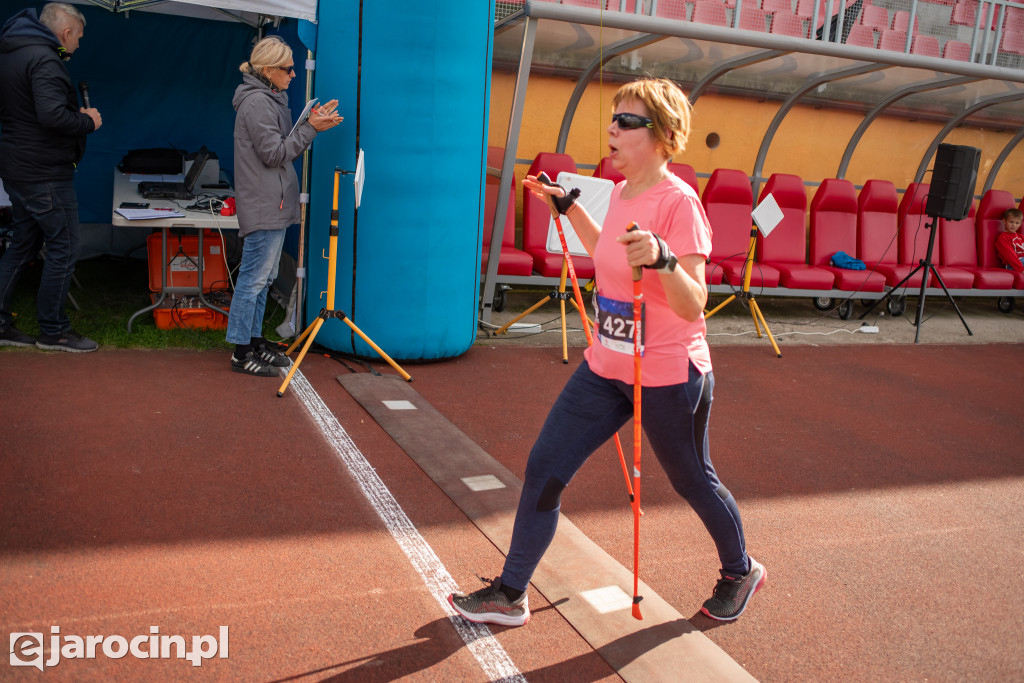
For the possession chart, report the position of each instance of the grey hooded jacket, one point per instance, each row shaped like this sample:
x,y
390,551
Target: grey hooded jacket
x,y
266,186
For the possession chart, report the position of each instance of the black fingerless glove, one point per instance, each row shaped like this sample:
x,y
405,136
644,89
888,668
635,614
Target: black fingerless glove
x,y
563,204
665,255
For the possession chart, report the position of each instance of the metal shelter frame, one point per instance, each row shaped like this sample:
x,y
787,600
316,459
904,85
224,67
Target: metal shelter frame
x,y
557,38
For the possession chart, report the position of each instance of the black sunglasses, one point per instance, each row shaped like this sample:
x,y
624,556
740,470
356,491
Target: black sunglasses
x,y
287,69
631,121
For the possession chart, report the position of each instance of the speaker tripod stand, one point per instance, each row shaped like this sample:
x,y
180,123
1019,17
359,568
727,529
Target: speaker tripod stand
x,y
755,310
328,312
928,267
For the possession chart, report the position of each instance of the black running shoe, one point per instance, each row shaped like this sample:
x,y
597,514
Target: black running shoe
x,y
732,593
252,365
68,340
12,336
490,606
271,357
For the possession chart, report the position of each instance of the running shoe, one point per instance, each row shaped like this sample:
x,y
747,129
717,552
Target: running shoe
x,y
12,336
252,365
271,357
732,593
490,606
68,340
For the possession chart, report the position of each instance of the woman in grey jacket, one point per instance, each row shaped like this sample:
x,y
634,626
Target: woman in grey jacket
x,y
266,193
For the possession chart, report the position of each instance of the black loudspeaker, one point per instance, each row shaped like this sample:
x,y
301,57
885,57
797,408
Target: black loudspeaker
x,y
953,179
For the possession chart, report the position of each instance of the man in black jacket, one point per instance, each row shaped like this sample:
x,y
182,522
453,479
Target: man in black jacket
x,y
42,138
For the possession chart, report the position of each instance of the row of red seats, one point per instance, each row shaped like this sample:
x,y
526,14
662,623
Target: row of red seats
x,y
887,233
874,225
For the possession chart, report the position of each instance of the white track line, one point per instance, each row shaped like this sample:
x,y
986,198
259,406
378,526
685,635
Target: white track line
x,y
493,659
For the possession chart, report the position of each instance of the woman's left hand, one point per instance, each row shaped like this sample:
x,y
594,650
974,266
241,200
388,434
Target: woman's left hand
x,y
641,247
325,116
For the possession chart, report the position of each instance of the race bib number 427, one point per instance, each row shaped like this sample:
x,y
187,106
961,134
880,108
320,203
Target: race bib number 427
x,y
615,324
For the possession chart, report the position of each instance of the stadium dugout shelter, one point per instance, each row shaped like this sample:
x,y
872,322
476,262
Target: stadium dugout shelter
x,y
840,65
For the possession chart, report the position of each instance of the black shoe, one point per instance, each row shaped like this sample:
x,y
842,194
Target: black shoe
x,y
68,340
252,365
12,336
271,357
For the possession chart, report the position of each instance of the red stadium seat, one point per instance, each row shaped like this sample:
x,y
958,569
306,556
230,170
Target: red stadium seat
x,y
901,22
955,49
686,173
710,12
875,17
788,24
958,247
989,224
861,36
913,239
728,201
512,261
607,171
895,41
785,249
834,229
877,231
923,44
752,18
671,9
964,13
1013,41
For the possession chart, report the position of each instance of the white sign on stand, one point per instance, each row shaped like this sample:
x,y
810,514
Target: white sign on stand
x,y
767,215
595,193
360,177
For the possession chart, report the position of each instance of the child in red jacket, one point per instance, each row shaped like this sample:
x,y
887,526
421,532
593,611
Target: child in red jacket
x,y
1010,242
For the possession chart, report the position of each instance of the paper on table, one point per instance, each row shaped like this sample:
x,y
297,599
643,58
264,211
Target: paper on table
x,y
304,115
148,214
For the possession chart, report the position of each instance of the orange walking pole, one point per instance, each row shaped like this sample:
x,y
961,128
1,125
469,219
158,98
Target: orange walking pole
x,y
544,179
638,302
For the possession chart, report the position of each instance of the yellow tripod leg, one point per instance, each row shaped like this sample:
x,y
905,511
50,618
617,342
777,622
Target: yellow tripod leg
x,y
314,328
757,309
403,373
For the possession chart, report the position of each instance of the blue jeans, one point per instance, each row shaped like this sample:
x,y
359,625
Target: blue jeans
x,y
43,213
588,412
261,254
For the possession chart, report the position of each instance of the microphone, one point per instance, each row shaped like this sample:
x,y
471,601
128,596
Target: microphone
x,y
83,88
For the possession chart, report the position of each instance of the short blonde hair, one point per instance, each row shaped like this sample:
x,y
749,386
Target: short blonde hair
x,y
271,51
57,16
668,106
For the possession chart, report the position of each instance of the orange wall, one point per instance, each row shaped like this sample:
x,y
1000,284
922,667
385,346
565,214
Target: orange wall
x,y
809,143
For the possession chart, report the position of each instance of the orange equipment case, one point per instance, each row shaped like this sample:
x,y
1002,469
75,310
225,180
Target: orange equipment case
x,y
182,262
174,314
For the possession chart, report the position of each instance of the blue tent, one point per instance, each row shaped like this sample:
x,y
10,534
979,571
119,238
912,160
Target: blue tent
x,y
413,86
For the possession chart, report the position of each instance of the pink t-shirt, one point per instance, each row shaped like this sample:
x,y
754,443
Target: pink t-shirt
x,y
672,210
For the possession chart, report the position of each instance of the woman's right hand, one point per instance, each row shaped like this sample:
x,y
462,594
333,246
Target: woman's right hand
x,y
540,190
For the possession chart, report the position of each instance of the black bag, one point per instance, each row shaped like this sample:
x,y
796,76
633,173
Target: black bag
x,y
153,161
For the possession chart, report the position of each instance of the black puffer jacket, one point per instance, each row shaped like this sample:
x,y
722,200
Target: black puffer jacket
x,y
42,133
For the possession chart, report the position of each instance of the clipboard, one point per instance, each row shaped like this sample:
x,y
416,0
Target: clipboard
x,y
304,115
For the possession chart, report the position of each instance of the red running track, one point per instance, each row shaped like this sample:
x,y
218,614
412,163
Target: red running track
x,y
880,485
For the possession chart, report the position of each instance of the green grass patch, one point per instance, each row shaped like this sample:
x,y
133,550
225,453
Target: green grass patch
x,y
112,290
